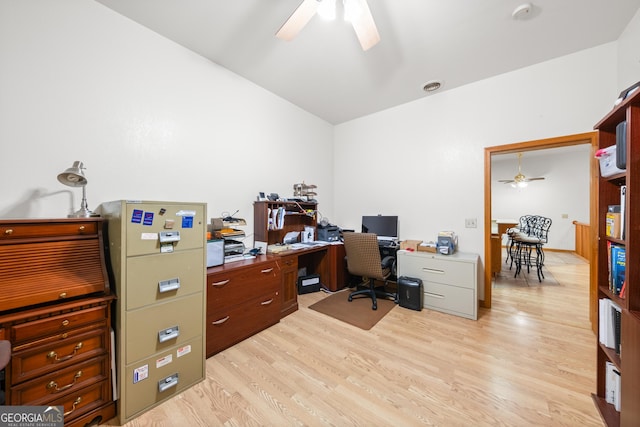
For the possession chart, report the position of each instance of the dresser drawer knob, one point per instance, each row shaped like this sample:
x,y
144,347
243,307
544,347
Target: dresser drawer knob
x,y
63,295
267,302
53,355
8,232
221,321
65,322
54,385
81,228
73,408
267,270
220,284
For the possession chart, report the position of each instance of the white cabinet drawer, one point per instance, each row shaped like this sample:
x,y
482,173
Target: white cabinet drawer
x,y
450,299
433,268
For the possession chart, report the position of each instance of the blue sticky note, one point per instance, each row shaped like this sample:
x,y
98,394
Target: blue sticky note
x,y
187,222
148,218
136,216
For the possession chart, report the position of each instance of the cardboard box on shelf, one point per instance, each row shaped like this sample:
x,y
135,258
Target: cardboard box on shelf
x,y
410,244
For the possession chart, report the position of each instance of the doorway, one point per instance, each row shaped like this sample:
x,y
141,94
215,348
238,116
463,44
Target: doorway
x,y
564,141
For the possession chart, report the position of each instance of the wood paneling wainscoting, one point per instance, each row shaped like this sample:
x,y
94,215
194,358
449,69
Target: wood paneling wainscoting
x,y
583,245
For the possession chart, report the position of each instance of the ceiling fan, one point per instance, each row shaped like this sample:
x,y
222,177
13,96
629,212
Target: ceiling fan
x,y
519,180
356,11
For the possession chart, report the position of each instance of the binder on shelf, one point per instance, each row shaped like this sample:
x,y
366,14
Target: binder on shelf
x,y
609,314
612,386
623,204
618,268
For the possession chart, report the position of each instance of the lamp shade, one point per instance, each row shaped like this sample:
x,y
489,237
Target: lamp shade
x,y
74,176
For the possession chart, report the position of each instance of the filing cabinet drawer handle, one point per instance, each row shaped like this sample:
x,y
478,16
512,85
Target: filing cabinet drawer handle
x,y
53,355
267,302
267,270
220,284
8,232
168,382
432,295
221,321
432,270
54,385
168,334
168,285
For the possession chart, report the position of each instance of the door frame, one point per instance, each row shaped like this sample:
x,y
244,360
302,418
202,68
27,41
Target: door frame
x,y
541,144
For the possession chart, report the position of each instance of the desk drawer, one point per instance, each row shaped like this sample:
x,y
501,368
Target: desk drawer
x,y
141,392
161,277
142,337
450,299
42,230
57,325
35,362
230,325
234,287
83,401
43,389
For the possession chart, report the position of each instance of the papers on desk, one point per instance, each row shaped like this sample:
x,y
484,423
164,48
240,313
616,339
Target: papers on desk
x,y
307,245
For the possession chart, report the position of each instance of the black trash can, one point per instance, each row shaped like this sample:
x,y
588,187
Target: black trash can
x,y
410,293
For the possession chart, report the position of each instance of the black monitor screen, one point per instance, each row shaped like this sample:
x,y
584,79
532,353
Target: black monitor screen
x,y
386,227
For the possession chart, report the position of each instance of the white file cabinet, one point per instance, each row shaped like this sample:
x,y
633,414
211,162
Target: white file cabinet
x,y
450,281
158,259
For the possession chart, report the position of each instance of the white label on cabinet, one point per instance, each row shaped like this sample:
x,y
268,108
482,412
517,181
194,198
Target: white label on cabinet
x,y
149,236
164,360
183,351
140,373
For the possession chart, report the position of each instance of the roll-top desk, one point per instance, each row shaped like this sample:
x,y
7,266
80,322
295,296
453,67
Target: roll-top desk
x,y
55,309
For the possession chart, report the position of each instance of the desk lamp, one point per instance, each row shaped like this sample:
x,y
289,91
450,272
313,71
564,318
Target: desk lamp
x,y
74,177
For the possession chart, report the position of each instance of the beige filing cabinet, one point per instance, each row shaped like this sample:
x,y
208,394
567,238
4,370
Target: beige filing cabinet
x,y
158,257
450,281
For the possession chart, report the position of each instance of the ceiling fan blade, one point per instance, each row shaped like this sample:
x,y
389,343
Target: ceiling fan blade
x,y
535,179
298,19
365,27
506,181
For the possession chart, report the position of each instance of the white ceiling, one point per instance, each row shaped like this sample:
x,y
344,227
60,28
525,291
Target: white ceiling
x,y
324,70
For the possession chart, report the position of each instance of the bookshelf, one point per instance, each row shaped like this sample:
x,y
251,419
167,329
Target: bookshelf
x,y
627,362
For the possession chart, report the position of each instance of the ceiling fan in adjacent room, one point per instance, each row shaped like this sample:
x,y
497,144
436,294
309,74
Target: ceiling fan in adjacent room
x,y
519,180
355,11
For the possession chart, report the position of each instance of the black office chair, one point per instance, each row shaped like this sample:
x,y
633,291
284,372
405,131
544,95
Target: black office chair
x,y
363,259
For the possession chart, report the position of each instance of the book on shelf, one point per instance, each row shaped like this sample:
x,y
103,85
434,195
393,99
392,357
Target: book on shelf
x,y
609,314
612,386
618,268
623,204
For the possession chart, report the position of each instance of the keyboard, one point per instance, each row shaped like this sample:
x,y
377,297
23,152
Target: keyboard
x,y
386,243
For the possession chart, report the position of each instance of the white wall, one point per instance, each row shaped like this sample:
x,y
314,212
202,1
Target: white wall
x,y
425,160
629,54
150,119
564,191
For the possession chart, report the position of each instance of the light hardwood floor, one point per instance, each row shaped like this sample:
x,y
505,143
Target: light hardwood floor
x,y
529,361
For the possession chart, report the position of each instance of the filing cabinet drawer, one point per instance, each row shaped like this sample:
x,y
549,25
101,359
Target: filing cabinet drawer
x,y
45,388
233,287
431,269
451,299
58,325
142,236
142,339
185,360
230,325
159,277
37,361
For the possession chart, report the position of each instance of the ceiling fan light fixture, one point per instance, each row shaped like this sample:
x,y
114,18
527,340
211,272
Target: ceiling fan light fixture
x,y
327,9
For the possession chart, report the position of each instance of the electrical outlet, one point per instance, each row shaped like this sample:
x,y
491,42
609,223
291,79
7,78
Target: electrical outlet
x,y
471,223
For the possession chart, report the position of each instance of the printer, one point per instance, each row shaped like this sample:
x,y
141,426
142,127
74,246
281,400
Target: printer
x,y
328,233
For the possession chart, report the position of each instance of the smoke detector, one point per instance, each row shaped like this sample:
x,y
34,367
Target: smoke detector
x,y
432,85
524,11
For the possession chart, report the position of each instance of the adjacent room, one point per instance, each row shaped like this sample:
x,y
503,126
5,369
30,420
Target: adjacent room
x,y
170,166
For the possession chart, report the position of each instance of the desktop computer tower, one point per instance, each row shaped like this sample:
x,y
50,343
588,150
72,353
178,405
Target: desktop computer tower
x,y
410,293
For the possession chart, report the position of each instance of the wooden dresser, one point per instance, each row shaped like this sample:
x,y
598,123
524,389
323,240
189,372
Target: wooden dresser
x,y
55,309
243,298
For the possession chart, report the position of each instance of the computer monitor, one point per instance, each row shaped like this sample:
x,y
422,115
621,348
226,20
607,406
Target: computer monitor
x,y
384,226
